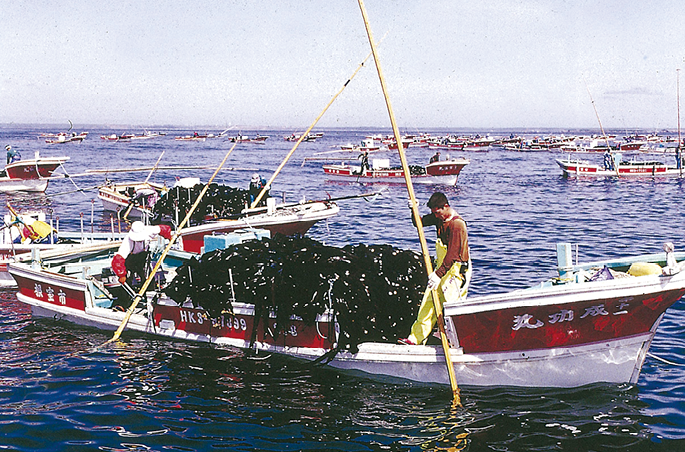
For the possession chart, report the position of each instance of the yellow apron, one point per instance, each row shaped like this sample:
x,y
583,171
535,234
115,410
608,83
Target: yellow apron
x,y
453,286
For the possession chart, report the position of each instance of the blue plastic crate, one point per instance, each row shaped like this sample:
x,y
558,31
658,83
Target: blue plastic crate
x,y
222,241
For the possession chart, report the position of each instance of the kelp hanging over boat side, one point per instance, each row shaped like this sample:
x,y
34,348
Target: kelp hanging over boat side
x,y
372,290
220,201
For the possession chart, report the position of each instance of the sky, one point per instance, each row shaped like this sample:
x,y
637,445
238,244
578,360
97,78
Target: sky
x,y
277,64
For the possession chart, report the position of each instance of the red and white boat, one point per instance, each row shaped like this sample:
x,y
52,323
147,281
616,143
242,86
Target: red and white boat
x,y
30,174
570,331
286,219
444,171
366,145
618,168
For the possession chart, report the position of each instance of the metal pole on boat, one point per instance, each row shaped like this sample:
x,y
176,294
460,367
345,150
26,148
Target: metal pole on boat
x,y
146,284
415,211
304,135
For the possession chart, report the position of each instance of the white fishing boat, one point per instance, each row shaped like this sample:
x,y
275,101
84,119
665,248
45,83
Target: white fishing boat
x,y
617,167
24,232
592,323
133,199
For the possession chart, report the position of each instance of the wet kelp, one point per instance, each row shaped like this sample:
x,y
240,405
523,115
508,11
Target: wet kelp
x,y
220,201
374,291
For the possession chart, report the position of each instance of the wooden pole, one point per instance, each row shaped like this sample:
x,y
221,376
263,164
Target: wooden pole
x,y
154,167
415,211
141,292
304,135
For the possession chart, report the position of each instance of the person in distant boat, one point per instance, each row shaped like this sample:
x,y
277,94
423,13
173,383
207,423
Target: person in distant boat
x,y
435,158
131,260
608,161
257,183
364,156
13,155
452,275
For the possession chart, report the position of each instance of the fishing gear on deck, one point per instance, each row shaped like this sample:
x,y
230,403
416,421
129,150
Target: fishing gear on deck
x,y
372,291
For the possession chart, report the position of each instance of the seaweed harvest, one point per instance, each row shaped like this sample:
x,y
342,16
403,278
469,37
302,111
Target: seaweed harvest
x,y
220,201
372,290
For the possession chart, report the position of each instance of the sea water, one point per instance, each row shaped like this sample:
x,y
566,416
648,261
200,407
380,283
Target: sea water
x,y
60,391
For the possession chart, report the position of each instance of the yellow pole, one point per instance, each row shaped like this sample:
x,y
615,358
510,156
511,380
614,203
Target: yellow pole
x,y
415,211
141,293
287,157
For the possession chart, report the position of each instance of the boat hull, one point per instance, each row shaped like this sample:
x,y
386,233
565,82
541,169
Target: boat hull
x,y
445,172
574,168
561,335
294,220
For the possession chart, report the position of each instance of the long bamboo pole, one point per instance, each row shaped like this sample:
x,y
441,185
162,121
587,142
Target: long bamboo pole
x,y
304,135
154,167
141,293
415,211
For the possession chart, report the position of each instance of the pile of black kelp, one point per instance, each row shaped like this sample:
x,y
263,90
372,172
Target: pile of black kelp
x,y
374,291
414,170
220,201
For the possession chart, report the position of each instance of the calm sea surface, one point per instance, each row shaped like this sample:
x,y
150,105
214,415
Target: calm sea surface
x,y
57,392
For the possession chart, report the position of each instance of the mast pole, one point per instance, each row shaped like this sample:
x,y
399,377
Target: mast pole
x,y
680,141
304,135
415,211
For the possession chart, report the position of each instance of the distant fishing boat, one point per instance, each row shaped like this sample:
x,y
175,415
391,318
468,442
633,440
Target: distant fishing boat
x,y
131,136
260,139
616,167
62,138
444,171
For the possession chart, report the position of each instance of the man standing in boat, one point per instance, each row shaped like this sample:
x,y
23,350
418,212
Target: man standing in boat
x,y
364,156
12,154
453,273
131,260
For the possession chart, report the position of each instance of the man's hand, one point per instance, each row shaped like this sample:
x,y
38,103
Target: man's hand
x,y
433,281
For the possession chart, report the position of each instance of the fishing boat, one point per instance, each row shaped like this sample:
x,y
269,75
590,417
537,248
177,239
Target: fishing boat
x,y
594,322
62,138
30,174
135,199
286,219
310,137
443,171
194,137
146,135
617,167
24,232
259,139
367,145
